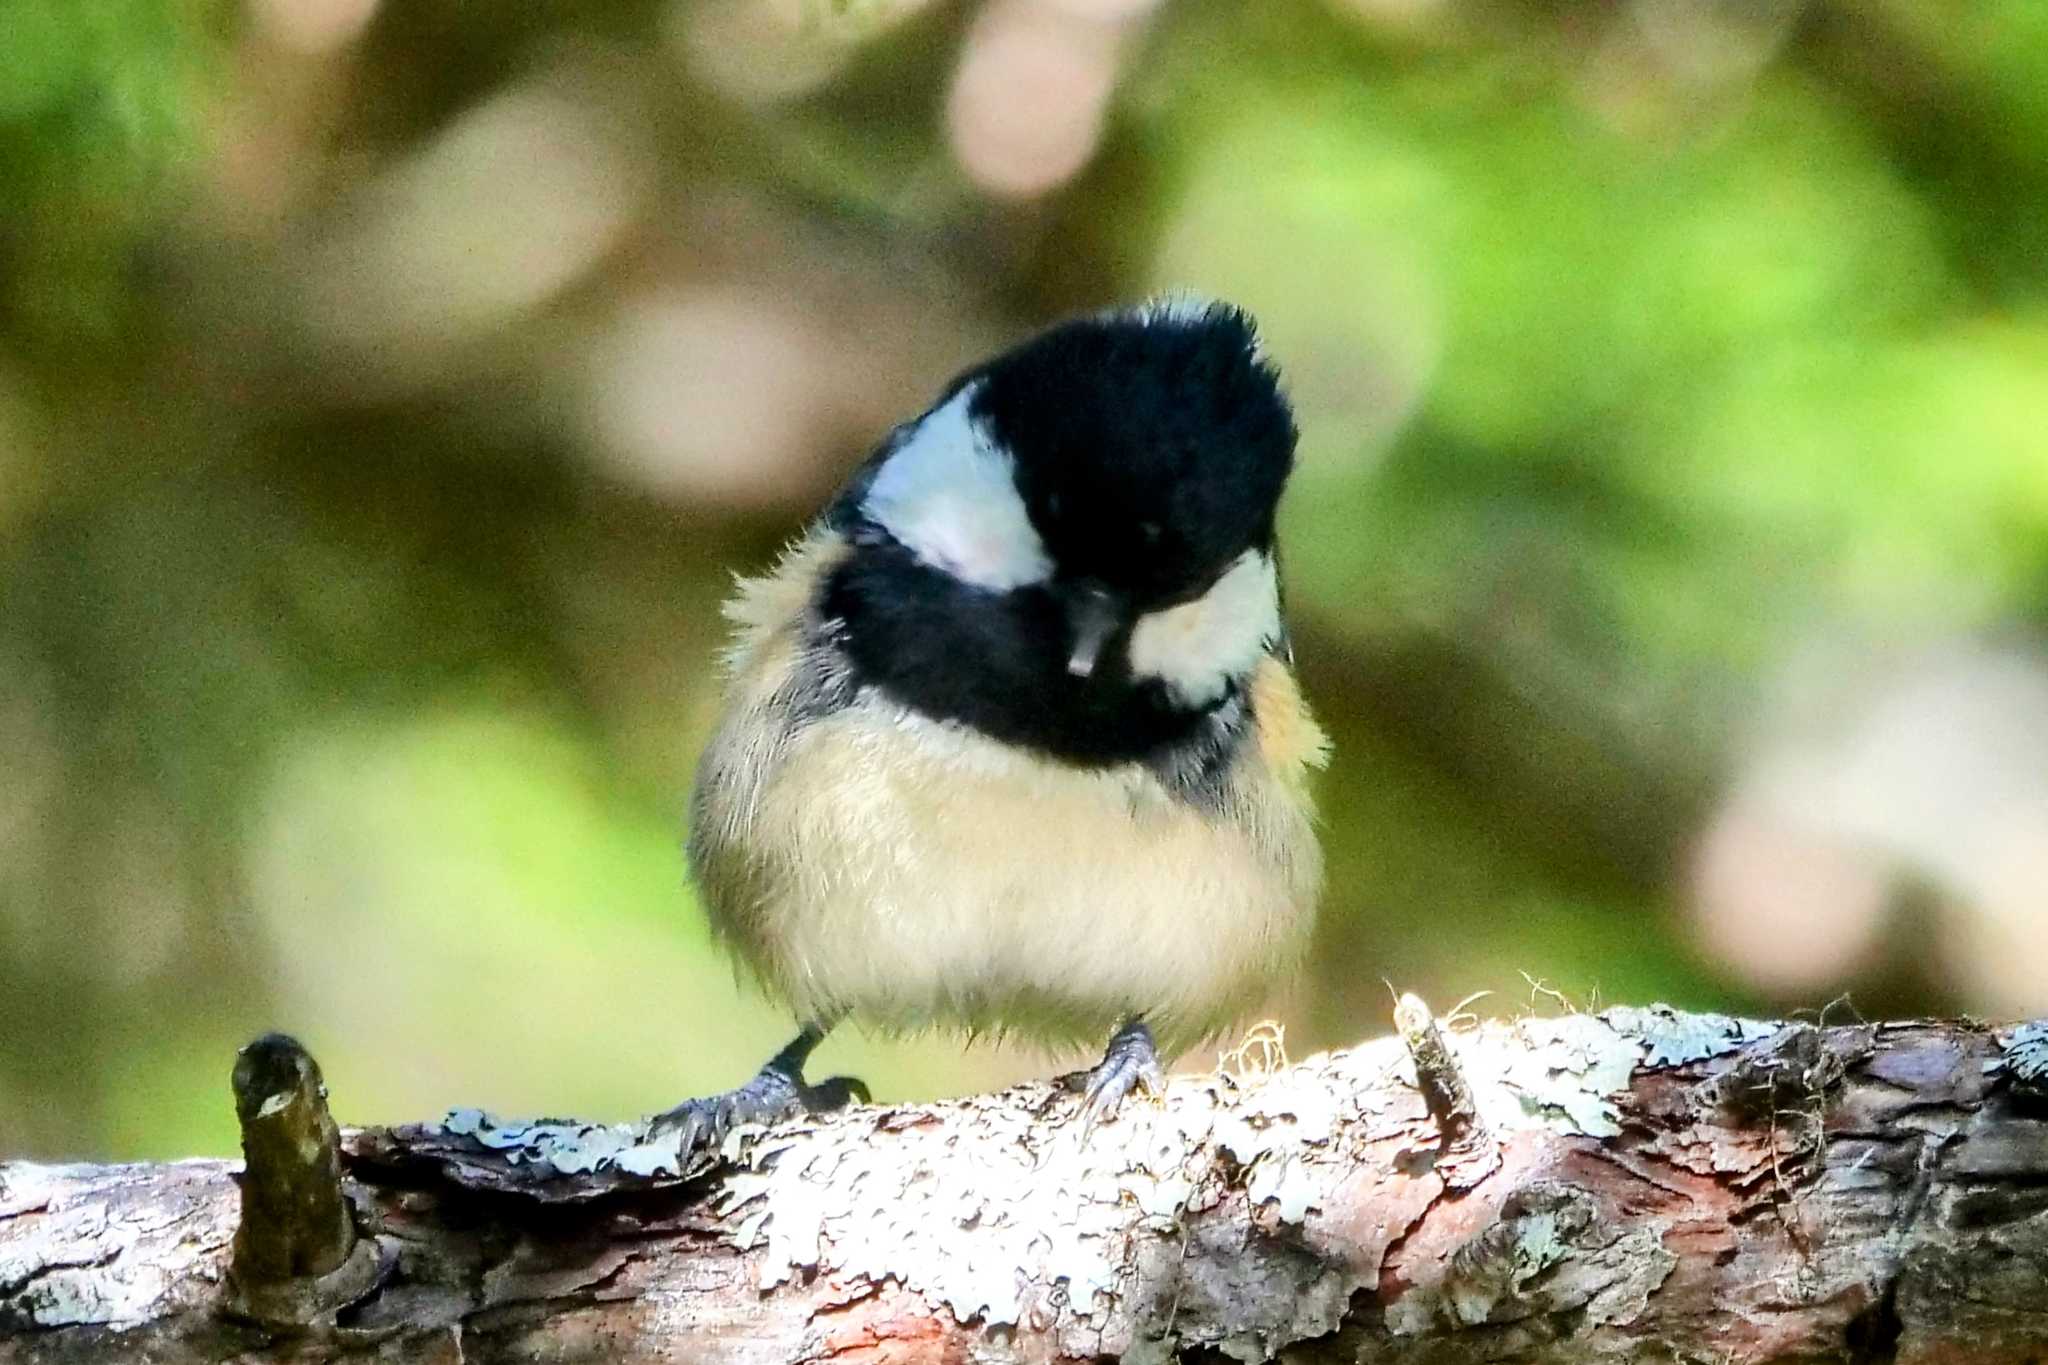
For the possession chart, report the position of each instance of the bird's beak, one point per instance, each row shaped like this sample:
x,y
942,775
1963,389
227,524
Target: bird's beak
x,y
1092,619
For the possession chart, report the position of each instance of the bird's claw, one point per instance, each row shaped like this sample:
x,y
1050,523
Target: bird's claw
x,y
1131,1062
771,1096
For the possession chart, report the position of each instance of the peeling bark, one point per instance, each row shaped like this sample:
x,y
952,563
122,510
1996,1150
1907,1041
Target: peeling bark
x,y
1642,1184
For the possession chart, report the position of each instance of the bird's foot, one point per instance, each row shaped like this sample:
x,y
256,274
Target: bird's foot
x,y
1130,1062
775,1093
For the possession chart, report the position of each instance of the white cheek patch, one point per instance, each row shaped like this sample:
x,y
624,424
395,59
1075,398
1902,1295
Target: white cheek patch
x,y
948,495
1198,647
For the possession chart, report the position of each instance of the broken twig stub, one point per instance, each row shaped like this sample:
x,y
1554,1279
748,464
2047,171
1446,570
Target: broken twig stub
x,y
297,1257
1437,1075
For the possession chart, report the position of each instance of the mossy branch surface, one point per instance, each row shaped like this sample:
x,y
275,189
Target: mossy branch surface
x,y
1639,1184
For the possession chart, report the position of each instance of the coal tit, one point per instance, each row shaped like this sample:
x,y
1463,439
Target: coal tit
x,y
1011,739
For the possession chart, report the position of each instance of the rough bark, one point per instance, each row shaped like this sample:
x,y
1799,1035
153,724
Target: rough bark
x,y
1642,1184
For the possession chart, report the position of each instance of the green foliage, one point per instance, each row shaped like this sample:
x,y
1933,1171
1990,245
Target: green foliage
x,y
350,681
100,108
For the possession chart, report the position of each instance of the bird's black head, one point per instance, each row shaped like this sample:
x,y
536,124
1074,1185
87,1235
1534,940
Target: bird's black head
x,y
1072,549
1150,445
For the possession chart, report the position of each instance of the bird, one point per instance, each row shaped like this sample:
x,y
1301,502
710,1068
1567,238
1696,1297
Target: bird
x,y
1011,738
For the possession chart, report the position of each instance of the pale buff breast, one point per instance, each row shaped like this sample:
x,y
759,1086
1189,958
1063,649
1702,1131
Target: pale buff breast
x,y
913,872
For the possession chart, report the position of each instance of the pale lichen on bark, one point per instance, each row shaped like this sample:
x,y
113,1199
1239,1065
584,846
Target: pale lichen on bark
x,y
2025,1058
110,1246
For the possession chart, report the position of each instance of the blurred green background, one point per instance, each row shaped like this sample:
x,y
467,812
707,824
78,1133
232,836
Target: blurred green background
x,y
387,391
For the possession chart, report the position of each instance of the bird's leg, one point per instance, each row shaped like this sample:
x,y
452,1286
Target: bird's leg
x,y
1129,1062
776,1092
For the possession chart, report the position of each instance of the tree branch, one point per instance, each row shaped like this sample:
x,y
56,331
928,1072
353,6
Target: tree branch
x,y
1639,1184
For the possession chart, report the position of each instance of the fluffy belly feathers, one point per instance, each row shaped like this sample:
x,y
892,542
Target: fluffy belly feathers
x,y
911,873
